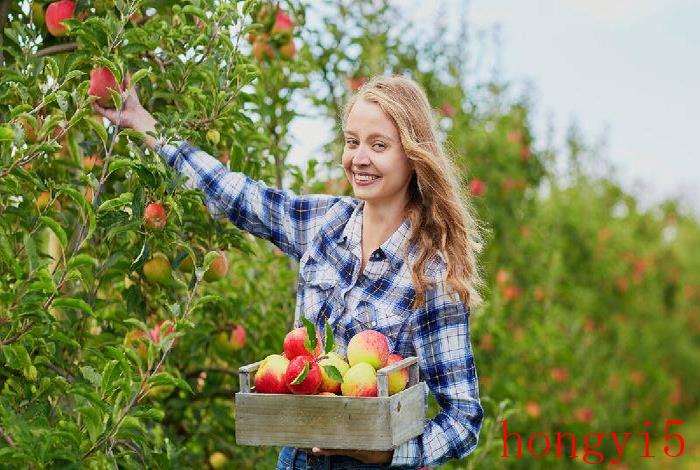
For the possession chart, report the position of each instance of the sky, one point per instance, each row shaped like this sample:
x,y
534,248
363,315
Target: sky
x,y
626,71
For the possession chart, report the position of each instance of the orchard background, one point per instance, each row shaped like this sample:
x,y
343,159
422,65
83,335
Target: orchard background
x,y
591,321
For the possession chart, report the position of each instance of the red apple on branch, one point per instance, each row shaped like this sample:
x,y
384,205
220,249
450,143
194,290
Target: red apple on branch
x,y
283,23
101,81
477,187
56,12
154,216
217,269
158,269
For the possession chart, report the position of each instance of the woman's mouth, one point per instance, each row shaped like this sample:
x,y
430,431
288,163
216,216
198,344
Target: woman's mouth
x,y
365,179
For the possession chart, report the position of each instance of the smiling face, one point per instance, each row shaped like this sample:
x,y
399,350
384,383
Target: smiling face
x,y
373,157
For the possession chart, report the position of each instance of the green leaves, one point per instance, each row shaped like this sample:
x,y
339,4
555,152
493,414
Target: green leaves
x,y
302,375
56,229
311,341
333,373
165,378
17,357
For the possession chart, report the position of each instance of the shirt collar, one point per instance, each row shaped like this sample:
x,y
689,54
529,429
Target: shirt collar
x,y
392,248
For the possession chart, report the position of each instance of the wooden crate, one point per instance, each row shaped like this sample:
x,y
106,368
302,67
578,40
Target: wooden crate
x,y
331,422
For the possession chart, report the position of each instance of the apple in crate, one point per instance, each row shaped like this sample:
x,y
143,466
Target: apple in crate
x,y
303,376
295,344
360,381
397,380
368,346
269,377
328,384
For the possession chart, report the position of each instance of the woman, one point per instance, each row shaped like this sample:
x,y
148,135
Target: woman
x,y
399,257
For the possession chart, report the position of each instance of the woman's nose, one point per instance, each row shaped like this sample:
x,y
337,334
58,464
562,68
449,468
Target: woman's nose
x,y
361,156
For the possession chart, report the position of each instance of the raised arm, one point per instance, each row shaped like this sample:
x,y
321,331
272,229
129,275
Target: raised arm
x,y
288,220
441,341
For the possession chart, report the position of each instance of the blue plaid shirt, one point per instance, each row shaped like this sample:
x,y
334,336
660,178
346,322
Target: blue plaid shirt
x,y
323,234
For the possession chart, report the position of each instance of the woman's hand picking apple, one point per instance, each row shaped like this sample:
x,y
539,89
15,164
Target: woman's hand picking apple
x,y
132,115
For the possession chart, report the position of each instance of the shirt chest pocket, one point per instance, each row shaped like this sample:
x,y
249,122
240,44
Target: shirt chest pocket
x,y
380,317
317,274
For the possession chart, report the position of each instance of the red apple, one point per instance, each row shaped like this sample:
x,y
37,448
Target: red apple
x,y
217,460
134,339
101,81
155,333
447,110
327,383
360,381
238,337
368,346
294,344
261,47
154,216
157,269
397,380
310,384
42,200
283,23
288,50
217,269
91,162
269,378
532,408
56,12
477,187
583,414
559,374
524,152
30,132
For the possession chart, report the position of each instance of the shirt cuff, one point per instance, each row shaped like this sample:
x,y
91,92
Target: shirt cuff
x,y
168,151
407,455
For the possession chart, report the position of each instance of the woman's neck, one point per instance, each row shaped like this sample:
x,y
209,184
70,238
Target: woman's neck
x,y
380,221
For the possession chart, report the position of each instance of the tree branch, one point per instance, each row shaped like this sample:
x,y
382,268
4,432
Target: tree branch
x,y
7,437
57,49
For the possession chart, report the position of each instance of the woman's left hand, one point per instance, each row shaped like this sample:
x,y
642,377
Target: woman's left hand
x,y
364,456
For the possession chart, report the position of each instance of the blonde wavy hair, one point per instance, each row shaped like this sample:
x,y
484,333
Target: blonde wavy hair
x,y
442,218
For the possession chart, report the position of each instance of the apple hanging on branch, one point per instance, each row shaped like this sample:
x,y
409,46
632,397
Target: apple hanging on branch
x,y
102,80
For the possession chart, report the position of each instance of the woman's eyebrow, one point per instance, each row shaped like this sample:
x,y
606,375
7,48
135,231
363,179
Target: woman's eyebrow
x,y
373,134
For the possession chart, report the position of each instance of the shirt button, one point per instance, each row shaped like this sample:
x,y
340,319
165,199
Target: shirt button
x,y
374,323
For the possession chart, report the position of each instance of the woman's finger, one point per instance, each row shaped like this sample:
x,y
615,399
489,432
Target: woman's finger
x,y
110,114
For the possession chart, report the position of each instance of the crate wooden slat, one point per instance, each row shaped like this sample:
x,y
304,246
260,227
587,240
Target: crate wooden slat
x,y
331,422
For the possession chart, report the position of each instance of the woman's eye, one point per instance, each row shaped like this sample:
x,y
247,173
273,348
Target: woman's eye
x,y
382,146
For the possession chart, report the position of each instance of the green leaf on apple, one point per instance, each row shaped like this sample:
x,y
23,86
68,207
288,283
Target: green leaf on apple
x,y
333,373
311,341
302,375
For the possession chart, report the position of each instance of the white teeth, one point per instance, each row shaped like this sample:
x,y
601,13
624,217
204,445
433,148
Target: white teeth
x,y
365,177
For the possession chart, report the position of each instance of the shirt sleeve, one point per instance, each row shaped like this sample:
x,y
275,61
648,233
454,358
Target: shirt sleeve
x,y
441,341
288,220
